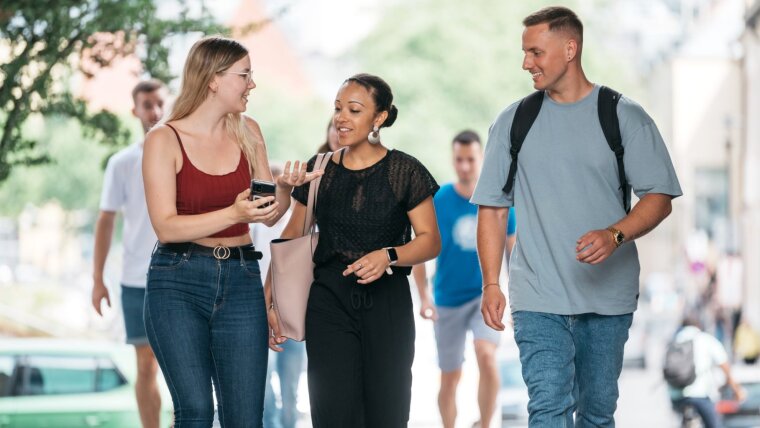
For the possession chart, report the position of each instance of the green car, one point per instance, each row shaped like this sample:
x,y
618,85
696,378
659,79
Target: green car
x,y
61,384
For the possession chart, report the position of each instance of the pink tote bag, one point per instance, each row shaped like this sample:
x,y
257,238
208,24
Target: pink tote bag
x,y
292,267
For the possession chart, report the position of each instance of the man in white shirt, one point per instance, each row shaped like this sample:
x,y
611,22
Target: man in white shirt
x,y
703,392
123,192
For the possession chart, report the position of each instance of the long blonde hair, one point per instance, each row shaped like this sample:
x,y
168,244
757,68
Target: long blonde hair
x,y
208,57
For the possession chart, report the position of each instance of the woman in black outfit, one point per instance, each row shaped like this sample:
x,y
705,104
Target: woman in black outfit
x,y
359,322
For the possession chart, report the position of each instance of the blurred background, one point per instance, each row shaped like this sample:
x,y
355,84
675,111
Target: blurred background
x,y
67,72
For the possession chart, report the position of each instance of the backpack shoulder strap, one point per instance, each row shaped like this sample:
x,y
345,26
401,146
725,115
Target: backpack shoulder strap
x,y
526,113
608,118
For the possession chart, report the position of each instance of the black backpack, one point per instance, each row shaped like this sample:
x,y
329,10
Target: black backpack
x,y
679,370
526,114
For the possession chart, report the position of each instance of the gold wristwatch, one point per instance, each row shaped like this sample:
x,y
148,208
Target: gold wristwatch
x,y
617,236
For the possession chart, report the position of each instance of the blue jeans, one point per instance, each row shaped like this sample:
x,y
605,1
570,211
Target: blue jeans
x,y
704,406
288,364
571,363
206,321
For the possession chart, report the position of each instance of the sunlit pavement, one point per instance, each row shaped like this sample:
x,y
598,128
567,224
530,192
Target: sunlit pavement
x,y
643,399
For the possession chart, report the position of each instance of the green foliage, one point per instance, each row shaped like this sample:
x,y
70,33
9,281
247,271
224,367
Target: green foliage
x,y
45,42
455,65
293,128
73,176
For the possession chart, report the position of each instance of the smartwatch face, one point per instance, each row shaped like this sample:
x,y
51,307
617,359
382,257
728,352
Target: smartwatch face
x,y
392,256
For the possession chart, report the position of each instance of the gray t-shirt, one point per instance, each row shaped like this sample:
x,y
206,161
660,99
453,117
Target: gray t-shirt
x,y
566,185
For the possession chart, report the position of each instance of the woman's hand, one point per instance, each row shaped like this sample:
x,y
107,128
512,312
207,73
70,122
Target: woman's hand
x,y
275,339
369,267
289,179
247,211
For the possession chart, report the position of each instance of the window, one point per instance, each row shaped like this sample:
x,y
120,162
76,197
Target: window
x,y
711,186
59,375
109,376
7,363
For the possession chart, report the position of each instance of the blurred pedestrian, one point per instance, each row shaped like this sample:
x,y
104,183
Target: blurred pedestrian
x,y
707,354
205,308
574,274
359,321
746,342
457,286
289,363
331,140
123,192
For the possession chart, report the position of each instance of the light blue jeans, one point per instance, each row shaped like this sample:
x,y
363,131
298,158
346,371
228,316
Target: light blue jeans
x,y
571,364
288,364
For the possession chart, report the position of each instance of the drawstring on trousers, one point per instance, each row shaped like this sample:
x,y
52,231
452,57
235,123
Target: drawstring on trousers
x,y
361,296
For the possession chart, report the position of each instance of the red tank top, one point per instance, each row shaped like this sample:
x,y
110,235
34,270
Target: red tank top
x,y
198,192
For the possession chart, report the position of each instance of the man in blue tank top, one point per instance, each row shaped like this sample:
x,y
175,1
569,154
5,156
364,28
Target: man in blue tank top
x,y
457,286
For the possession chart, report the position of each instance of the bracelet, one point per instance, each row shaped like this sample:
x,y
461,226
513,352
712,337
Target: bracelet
x,y
492,283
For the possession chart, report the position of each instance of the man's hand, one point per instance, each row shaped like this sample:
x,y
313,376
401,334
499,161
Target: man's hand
x,y
741,394
99,292
427,310
493,307
594,247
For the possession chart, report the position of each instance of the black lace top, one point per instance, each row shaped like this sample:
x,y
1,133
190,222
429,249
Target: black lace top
x,y
359,211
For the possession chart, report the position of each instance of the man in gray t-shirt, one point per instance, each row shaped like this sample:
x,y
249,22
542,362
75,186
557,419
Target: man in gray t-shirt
x,y
574,272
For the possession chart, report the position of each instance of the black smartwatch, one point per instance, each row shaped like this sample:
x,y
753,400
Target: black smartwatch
x,y
392,259
392,255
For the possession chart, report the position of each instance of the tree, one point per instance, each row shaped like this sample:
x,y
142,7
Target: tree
x,y
46,45
456,64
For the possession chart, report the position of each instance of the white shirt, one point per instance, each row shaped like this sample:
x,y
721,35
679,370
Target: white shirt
x,y
123,191
708,355
262,236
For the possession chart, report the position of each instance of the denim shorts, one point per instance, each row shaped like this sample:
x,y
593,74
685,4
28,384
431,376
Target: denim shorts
x,y
451,332
132,302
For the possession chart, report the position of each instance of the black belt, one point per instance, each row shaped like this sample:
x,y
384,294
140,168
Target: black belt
x,y
220,252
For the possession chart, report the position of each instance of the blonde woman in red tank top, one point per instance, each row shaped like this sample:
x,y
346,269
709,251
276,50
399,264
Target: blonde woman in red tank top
x,y
205,310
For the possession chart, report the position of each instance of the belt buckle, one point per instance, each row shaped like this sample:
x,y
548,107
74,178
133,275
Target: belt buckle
x,y
221,252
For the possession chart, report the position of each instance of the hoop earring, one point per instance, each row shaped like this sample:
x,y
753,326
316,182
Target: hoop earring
x,y
374,136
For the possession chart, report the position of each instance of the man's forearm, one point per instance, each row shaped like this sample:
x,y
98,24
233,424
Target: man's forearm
x,y
419,273
649,212
492,226
103,234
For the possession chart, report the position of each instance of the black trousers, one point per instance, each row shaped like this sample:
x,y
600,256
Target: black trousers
x,y
360,348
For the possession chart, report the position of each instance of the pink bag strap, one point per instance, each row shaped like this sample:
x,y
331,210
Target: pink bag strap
x,y
319,165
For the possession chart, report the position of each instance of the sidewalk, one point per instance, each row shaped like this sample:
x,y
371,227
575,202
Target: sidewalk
x,y
426,381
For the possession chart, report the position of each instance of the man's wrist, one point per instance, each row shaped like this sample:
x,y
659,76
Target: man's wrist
x,y
486,285
618,238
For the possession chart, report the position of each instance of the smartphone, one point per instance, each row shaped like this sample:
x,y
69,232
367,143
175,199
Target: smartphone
x,y
261,189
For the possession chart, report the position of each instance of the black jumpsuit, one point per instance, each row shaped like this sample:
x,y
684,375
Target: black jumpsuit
x,y
360,338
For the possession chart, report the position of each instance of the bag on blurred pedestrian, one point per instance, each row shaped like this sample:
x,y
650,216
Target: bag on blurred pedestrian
x,y
679,370
292,267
